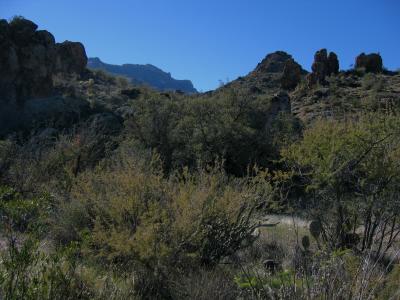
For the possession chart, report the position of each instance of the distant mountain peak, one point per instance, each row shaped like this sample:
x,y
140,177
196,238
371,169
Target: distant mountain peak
x,y
147,74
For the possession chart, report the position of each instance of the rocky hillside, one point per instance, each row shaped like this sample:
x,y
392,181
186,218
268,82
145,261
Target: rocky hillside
x,y
44,84
325,92
148,75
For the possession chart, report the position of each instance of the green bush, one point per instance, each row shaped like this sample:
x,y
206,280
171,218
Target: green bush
x,y
134,215
26,273
232,126
350,173
19,213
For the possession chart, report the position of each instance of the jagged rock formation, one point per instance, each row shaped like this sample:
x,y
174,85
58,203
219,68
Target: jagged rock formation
x,y
370,62
324,65
278,70
292,74
29,58
145,75
273,62
333,64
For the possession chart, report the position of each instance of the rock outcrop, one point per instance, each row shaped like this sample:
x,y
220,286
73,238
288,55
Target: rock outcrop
x,y
29,58
273,62
292,73
333,64
279,69
324,65
370,62
70,58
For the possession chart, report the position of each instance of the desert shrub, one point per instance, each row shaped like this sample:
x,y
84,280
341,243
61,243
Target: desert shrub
x,y
51,163
27,273
104,76
138,220
324,275
351,174
368,81
122,82
24,214
238,128
143,216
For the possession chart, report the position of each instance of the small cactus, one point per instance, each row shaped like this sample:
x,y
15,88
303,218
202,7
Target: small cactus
x,y
315,228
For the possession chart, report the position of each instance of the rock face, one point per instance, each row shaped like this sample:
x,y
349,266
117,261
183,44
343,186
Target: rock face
x,y
29,58
370,62
333,64
273,62
324,65
70,58
279,69
291,76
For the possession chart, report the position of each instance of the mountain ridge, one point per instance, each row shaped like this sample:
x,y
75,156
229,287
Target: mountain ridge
x,y
146,74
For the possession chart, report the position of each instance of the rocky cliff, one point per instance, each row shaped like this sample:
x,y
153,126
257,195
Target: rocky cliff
x,y
29,58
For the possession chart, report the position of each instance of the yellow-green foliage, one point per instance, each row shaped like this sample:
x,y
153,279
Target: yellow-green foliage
x,y
329,146
135,215
352,173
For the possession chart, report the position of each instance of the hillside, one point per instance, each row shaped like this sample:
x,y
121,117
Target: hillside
x,y
144,75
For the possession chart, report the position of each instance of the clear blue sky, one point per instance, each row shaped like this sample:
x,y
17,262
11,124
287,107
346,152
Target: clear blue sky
x,y
209,40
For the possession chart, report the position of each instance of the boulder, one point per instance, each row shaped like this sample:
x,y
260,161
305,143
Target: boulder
x,y
291,76
370,62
